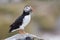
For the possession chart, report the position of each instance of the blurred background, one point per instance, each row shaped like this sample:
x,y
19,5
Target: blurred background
x,y
45,17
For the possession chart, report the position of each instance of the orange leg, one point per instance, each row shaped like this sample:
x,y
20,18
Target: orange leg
x,y
21,31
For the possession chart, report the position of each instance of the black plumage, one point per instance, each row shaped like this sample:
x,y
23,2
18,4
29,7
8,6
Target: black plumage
x,y
18,22
22,20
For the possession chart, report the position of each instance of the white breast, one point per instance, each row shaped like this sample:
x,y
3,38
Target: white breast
x,y
26,21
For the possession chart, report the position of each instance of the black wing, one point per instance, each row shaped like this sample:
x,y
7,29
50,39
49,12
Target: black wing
x,y
17,23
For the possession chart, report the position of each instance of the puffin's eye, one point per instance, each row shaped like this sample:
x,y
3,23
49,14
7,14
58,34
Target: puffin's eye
x,y
26,8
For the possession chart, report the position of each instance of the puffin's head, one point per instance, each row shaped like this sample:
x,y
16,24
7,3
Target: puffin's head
x,y
28,8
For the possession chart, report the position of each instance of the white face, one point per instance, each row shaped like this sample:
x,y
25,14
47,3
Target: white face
x,y
27,8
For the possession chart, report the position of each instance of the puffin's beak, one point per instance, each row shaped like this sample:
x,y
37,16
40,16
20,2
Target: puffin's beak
x,y
32,8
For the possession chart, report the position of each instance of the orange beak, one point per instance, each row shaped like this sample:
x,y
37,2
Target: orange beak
x,y
33,8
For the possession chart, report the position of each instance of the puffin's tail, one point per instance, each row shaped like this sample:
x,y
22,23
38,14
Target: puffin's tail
x,y
10,30
13,30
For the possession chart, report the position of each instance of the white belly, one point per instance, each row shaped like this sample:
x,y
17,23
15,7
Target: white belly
x,y
26,21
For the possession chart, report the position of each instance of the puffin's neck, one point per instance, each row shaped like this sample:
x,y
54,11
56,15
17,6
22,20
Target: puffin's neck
x,y
26,13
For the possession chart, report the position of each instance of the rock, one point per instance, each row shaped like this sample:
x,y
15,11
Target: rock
x,y
26,36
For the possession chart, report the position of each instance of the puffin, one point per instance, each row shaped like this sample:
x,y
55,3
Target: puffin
x,y
22,21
